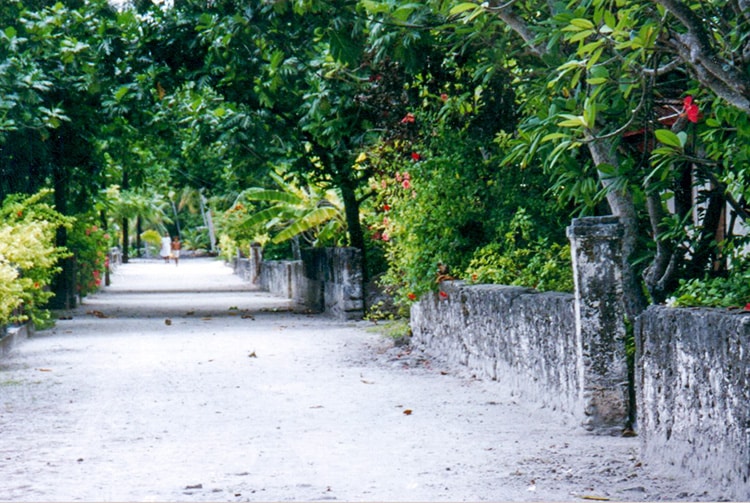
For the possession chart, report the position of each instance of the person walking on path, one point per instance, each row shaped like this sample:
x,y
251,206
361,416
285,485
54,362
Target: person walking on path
x,y
166,248
176,250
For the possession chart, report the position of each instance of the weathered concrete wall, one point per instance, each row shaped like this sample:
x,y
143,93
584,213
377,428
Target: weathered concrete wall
x,y
693,392
325,280
11,336
564,351
333,281
281,277
518,336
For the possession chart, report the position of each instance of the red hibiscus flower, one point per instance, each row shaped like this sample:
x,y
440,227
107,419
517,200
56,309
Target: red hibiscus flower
x,y
412,296
408,118
690,109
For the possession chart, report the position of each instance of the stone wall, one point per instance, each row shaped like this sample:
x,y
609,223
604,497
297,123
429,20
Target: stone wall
x,y
693,393
325,280
13,335
563,351
522,338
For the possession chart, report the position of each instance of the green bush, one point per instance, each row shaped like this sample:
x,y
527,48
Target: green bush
x,y
28,256
89,245
730,291
449,204
523,261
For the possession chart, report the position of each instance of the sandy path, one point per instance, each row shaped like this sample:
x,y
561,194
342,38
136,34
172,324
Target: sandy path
x,y
238,399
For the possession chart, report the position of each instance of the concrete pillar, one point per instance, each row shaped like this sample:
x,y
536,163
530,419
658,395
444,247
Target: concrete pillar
x,y
596,247
256,262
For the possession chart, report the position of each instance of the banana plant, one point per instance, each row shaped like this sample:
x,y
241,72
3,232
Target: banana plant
x,y
312,213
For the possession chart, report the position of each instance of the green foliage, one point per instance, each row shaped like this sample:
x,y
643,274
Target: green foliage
x,y
521,260
451,202
287,212
731,291
28,256
152,238
89,244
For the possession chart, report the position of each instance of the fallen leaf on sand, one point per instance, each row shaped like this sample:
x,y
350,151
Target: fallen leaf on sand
x,y
98,314
367,382
167,322
252,355
594,498
44,370
407,412
196,486
206,318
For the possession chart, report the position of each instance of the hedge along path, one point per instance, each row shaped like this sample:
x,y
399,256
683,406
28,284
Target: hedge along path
x,y
184,384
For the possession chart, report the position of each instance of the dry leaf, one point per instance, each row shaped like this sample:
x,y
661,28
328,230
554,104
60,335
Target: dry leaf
x,y
44,370
252,355
98,314
594,498
167,322
407,412
367,382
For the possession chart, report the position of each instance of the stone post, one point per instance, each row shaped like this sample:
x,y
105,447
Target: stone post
x,y
596,248
256,262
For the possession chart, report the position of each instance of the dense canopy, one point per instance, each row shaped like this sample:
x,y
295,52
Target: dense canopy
x,y
448,136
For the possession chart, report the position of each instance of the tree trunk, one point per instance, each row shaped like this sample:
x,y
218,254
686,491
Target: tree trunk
x,y
138,232
622,205
64,284
125,229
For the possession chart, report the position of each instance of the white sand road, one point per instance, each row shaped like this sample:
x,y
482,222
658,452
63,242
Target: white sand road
x,y
183,384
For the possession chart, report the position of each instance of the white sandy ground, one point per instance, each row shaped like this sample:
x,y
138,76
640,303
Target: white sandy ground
x,y
238,399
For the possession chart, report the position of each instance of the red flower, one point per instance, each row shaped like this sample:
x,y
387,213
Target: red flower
x,y
443,295
690,109
386,207
415,156
408,118
444,97
412,296
406,183
19,214
747,306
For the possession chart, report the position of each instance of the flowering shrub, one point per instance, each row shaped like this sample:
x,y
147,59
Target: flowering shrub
x,y
28,256
89,245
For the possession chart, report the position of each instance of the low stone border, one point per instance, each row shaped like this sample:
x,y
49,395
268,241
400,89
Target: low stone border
x,y
13,336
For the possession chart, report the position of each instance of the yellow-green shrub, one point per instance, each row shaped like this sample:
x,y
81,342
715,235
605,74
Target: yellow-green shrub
x,y
28,256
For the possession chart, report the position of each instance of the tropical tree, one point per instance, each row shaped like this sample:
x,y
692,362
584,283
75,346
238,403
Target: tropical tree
x,y
602,83
309,214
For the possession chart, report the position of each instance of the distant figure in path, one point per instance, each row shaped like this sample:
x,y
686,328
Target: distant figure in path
x,y
176,250
166,248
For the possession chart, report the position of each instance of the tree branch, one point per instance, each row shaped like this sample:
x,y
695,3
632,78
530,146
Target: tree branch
x,y
695,48
506,13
